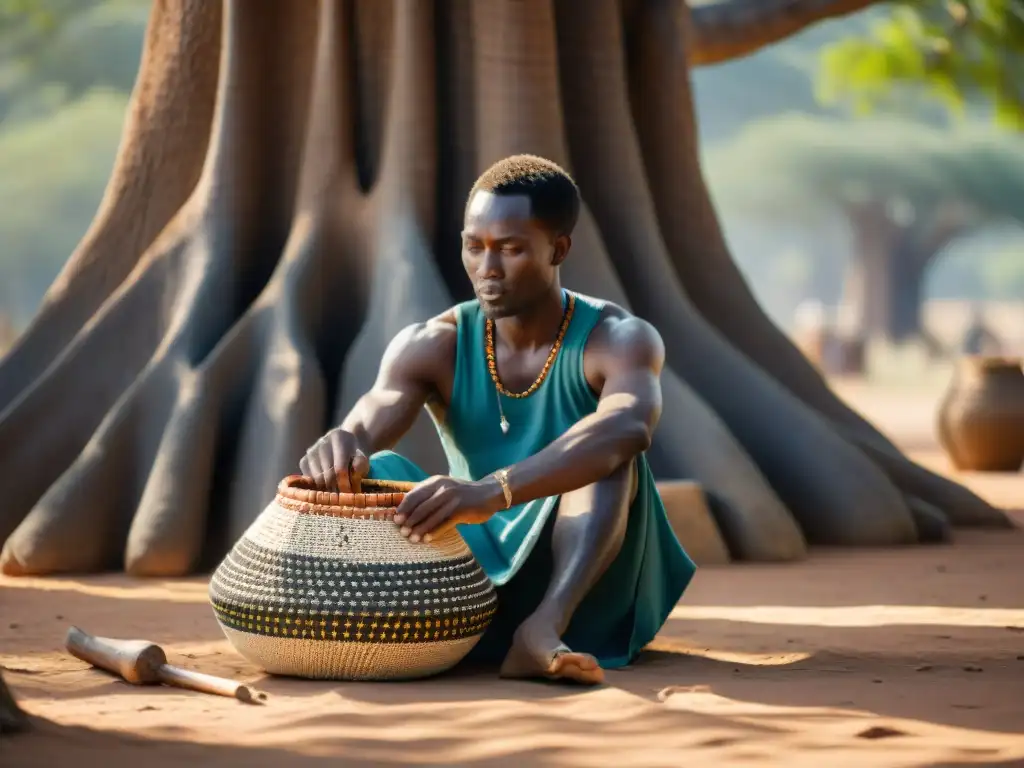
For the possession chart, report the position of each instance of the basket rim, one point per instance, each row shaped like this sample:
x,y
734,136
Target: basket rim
x,y
382,500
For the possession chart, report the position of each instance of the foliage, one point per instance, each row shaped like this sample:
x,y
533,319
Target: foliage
x,y
802,168
1002,273
985,267
17,16
956,52
52,175
59,50
732,93
26,24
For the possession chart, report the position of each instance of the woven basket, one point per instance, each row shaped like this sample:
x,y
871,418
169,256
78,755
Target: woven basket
x,y
323,585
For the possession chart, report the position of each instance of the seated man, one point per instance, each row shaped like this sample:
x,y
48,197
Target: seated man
x,y
545,401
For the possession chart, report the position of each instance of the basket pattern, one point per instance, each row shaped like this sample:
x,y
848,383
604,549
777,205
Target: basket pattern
x,y
323,585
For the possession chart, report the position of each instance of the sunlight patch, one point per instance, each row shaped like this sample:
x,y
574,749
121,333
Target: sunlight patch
x,y
855,615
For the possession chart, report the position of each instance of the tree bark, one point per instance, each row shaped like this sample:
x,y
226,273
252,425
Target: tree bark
x,y
343,136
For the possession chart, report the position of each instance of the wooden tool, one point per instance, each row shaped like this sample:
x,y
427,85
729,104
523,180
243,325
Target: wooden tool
x,y
141,662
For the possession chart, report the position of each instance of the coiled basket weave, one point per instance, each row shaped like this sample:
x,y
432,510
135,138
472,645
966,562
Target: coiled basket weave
x,y
323,585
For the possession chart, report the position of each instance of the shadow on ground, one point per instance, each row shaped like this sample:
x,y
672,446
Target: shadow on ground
x,y
907,657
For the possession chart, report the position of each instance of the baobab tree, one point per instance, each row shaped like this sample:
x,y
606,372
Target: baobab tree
x,y
288,195
905,190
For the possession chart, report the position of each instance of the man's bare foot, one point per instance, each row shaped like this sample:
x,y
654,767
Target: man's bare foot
x,y
538,652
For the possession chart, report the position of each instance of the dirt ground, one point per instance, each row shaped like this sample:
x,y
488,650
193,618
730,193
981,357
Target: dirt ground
x,y
908,657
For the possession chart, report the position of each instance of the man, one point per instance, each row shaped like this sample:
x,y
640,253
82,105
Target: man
x,y
545,402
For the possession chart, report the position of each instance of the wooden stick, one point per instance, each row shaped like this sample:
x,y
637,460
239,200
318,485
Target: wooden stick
x,y
141,662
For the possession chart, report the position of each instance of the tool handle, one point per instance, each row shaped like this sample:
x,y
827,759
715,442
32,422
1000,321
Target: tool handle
x,y
137,661
198,681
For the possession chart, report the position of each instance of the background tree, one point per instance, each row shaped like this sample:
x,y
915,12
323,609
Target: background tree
x,y
906,192
48,172
958,53
66,72
288,194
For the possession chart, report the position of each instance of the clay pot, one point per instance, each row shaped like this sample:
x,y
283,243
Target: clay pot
x,y
981,417
323,585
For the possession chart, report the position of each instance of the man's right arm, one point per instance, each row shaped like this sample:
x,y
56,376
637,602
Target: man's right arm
x,y
409,375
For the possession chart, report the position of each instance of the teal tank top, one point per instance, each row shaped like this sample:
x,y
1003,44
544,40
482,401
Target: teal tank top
x,y
471,434
634,597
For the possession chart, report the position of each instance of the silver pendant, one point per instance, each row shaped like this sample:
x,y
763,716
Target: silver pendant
x,y
504,422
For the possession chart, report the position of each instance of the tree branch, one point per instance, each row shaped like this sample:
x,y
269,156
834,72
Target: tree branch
x,y
730,29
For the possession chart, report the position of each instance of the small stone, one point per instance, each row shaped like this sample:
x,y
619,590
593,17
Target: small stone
x,y
923,668
879,732
692,522
983,598
59,617
13,625
877,680
972,668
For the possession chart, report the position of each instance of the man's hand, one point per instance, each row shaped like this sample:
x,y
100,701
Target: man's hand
x,y
439,503
335,462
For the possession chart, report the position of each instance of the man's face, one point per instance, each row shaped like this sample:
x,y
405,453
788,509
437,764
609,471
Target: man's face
x,y
511,258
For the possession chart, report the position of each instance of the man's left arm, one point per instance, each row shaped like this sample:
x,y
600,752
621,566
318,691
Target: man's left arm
x,y
629,406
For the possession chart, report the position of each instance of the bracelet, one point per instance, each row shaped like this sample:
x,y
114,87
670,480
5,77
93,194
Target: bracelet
x,y
501,476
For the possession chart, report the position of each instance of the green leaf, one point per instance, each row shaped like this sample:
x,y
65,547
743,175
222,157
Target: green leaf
x,y
958,54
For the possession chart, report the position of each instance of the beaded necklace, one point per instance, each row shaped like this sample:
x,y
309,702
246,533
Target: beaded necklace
x,y
492,361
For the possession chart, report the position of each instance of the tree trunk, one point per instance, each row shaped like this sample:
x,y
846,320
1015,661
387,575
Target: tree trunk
x,y
907,269
906,298
151,409
874,272
699,253
885,278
